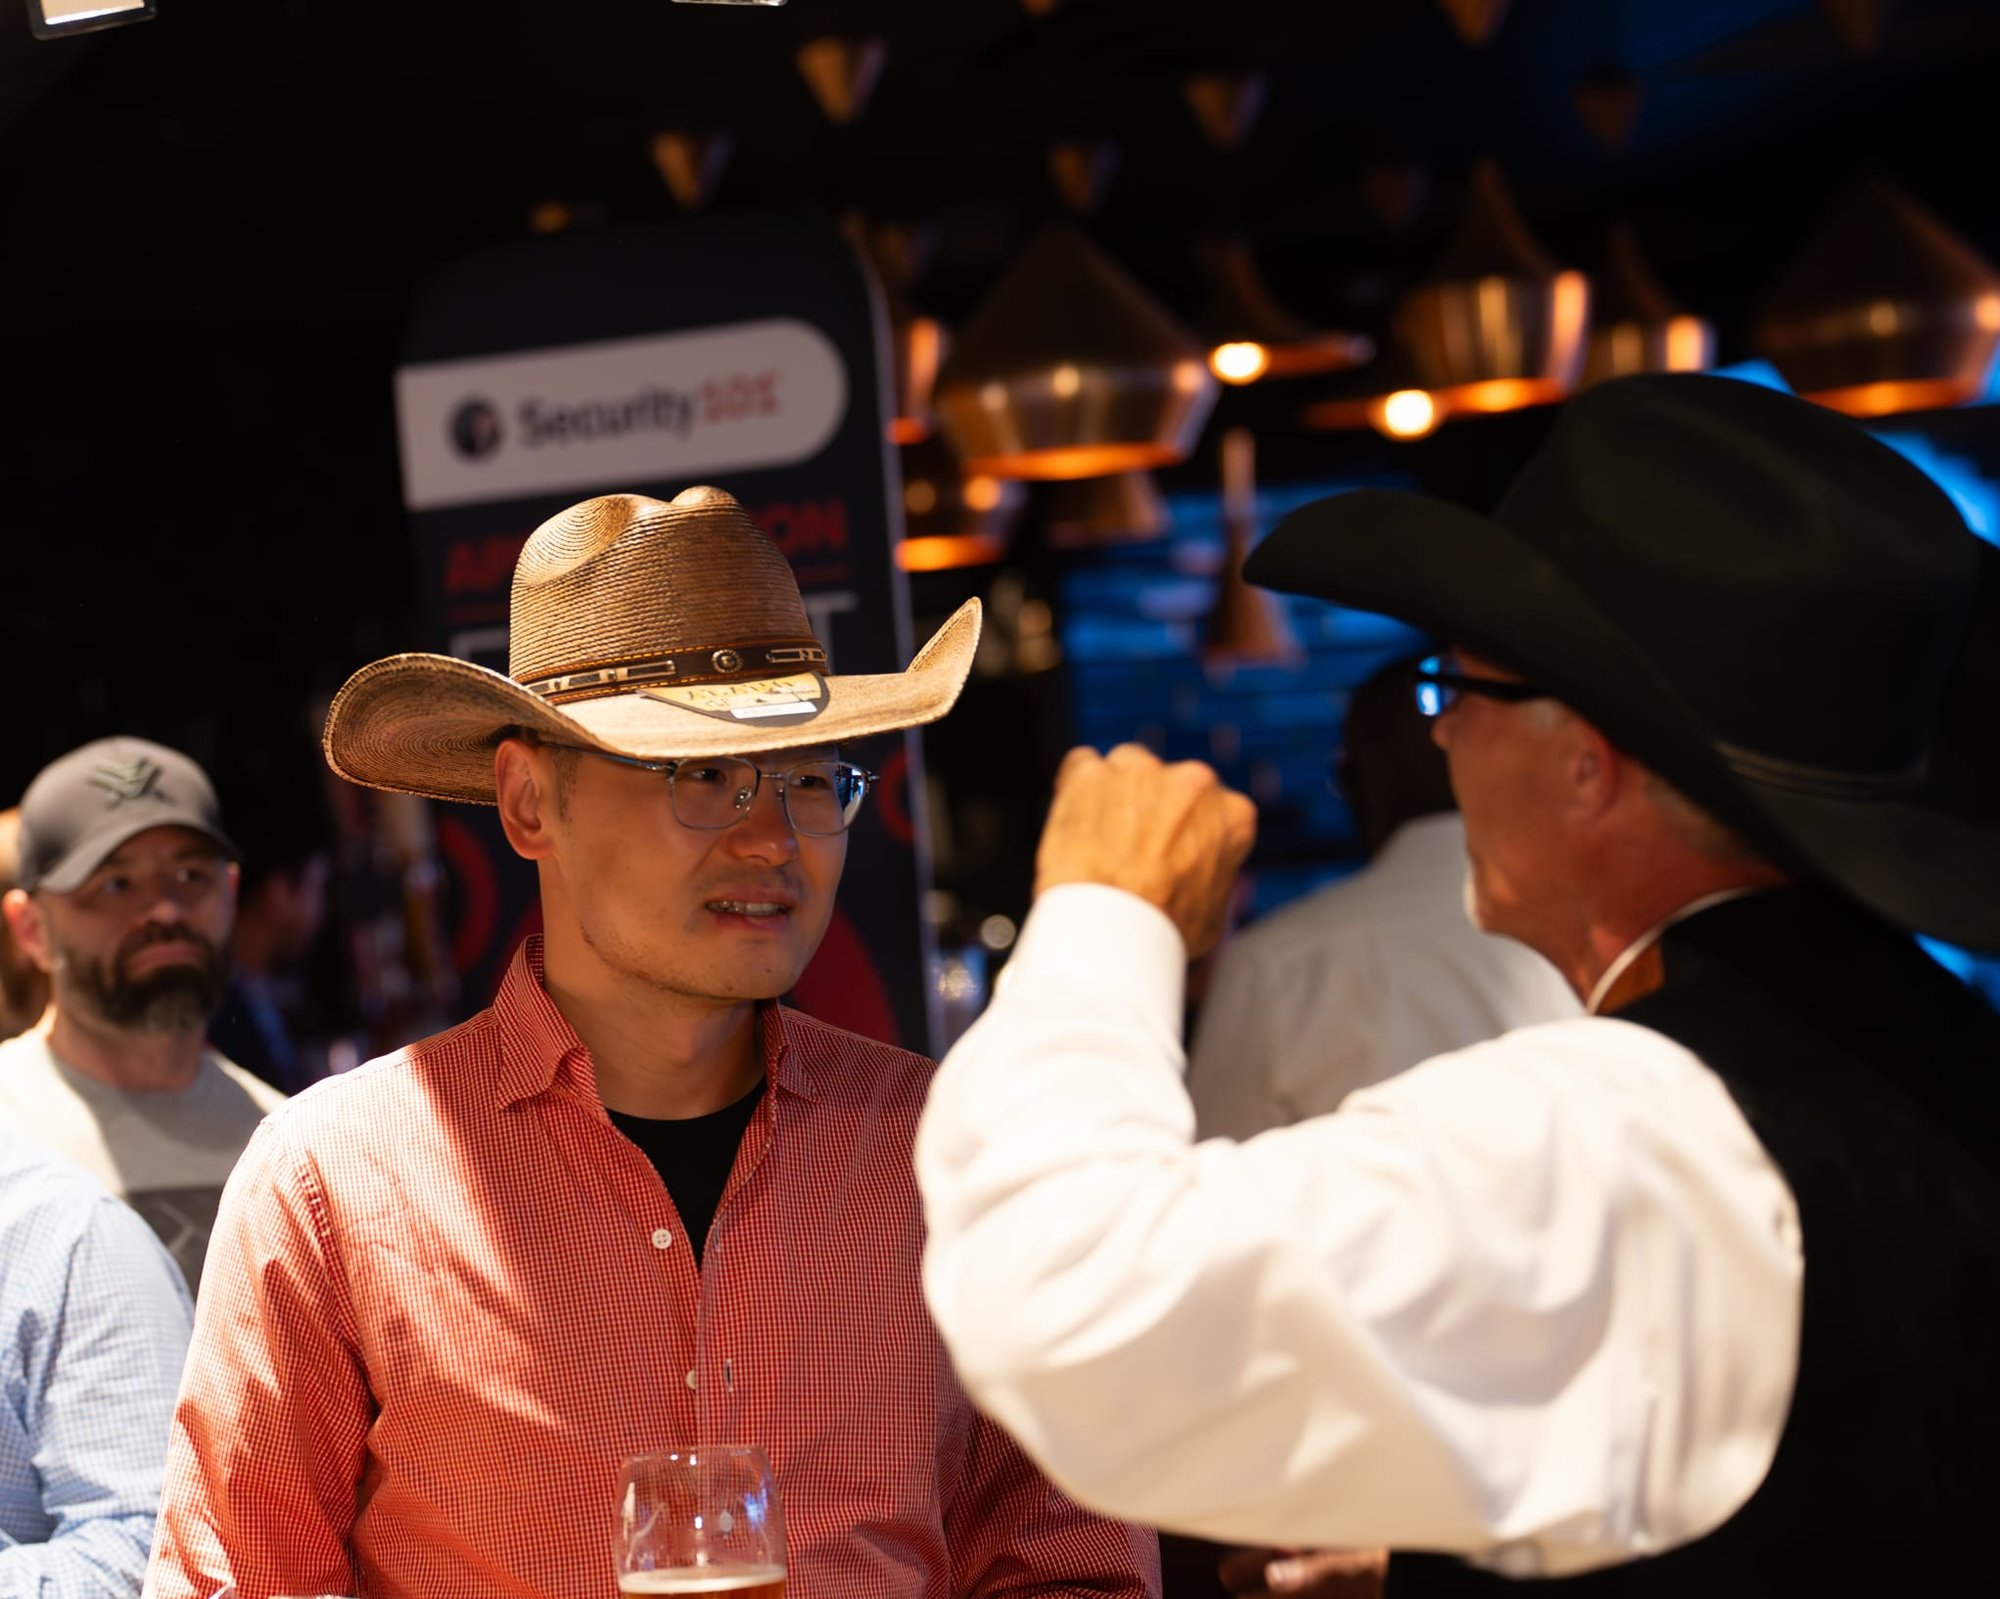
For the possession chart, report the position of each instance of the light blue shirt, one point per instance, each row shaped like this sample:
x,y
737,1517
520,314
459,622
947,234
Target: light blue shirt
x,y
94,1324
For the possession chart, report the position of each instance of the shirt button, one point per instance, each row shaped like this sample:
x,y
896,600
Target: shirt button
x,y
663,1238
691,1379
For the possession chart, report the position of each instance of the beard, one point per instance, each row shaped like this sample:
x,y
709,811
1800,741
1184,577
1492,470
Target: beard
x,y
174,999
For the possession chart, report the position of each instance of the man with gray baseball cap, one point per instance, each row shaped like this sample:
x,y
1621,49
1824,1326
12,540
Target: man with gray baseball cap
x,y
126,897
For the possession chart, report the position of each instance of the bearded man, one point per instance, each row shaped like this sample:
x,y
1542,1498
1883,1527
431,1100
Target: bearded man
x,y
126,895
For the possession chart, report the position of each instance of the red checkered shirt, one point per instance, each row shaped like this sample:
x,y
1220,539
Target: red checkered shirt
x,y
445,1298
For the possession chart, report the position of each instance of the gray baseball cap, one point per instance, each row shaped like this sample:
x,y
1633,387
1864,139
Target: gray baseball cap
x,y
83,805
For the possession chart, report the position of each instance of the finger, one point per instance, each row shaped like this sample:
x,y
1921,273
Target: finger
x,y
1133,756
1298,1573
1077,759
1242,1570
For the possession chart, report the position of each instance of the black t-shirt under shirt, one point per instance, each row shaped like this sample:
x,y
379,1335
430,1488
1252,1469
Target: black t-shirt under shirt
x,y
693,1157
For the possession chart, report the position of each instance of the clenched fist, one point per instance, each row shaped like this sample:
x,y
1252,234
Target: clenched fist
x,y
1173,835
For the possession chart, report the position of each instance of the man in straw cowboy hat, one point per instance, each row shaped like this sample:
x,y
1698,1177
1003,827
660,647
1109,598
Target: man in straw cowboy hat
x,y
1698,1293
636,1204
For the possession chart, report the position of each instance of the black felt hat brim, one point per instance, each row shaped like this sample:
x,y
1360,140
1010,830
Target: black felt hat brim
x,y
1929,862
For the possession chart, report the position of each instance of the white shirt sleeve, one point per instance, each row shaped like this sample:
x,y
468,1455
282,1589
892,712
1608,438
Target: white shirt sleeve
x,y
1535,1302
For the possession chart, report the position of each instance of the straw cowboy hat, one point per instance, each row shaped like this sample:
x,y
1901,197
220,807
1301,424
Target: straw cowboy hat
x,y
1773,610
641,628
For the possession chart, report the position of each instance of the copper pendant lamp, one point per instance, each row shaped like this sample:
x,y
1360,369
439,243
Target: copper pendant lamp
x,y
1476,20
1070,369
691,164
1637,327
1124,508
1247,625
1884,310
1225,104
1388,395
1498,324
951,519
898,252
842,73
1250,335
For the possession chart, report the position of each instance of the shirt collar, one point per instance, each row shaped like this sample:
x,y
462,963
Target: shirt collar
x,y
784,1061
537,1043
536,1039
1602,988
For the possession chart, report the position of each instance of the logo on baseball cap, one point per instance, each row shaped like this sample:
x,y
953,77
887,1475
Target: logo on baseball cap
x,y
83,805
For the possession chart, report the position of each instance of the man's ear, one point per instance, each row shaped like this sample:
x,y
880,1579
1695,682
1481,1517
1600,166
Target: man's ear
x,y
1597,771
29,927
524,781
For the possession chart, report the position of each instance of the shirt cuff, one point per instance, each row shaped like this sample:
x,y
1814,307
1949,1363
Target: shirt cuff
x,y
1127,952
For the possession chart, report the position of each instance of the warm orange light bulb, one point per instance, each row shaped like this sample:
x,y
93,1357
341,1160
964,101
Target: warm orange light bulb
x,y
981,493
1239,363
1406,414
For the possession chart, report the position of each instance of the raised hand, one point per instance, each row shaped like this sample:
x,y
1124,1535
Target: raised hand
x,y
1171,834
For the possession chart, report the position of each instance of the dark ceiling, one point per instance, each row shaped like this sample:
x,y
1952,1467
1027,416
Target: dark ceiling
x,y
217,221
237,160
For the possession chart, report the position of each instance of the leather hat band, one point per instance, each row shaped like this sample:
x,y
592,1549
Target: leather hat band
x,y
707,664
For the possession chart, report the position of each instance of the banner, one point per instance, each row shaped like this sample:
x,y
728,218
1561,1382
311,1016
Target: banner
x,y
745,351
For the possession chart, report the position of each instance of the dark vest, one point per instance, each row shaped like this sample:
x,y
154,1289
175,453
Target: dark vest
x,y
1872,1078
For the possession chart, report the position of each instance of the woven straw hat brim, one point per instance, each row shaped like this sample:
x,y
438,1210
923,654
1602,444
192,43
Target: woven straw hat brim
x,y
428,724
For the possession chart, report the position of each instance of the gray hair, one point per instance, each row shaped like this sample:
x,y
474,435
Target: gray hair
x,y
1694,825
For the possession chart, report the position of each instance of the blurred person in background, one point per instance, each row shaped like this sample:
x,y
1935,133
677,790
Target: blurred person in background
x,y
127,893
1367,976
93,1329
24,986
285,829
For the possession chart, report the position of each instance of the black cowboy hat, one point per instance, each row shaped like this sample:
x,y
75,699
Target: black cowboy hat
x,y
1776,612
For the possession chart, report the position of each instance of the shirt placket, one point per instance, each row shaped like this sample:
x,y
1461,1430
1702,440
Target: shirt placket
x,y
666,1250
724,1383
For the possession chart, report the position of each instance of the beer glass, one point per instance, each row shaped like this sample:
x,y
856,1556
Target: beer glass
x,y
701,1524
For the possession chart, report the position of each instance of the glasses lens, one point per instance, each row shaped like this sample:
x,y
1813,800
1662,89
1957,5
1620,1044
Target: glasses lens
x,y
714,792
1432,698
824,796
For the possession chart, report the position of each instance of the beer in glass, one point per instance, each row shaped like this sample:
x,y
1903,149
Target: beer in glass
x,y
701,1523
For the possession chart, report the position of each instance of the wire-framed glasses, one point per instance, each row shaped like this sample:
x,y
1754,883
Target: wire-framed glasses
x,y
1439,686
711,792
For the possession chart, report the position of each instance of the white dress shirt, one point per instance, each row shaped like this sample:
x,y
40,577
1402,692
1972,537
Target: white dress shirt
x,y
1356,982
1535,1302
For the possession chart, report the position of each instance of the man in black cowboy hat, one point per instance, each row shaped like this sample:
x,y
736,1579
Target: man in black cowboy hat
x,y
1698,1293
636,1204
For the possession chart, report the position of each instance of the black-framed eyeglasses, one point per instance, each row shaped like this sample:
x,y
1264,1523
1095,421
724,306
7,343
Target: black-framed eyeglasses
x,y
1438,687
711,792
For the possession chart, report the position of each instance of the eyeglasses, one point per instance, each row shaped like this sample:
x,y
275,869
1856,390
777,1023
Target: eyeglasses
x,y
1438,687
711,792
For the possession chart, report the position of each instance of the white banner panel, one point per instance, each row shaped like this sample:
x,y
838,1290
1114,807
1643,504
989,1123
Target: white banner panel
x,y
606,416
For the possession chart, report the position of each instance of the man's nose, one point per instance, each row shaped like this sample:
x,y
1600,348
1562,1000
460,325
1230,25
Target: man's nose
x,y
168,897
765,833
165,908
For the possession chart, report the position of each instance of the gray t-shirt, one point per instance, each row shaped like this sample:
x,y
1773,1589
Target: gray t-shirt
x,y
165,1154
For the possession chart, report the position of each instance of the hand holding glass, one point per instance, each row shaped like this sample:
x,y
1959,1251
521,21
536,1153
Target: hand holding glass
x,y
701,1522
